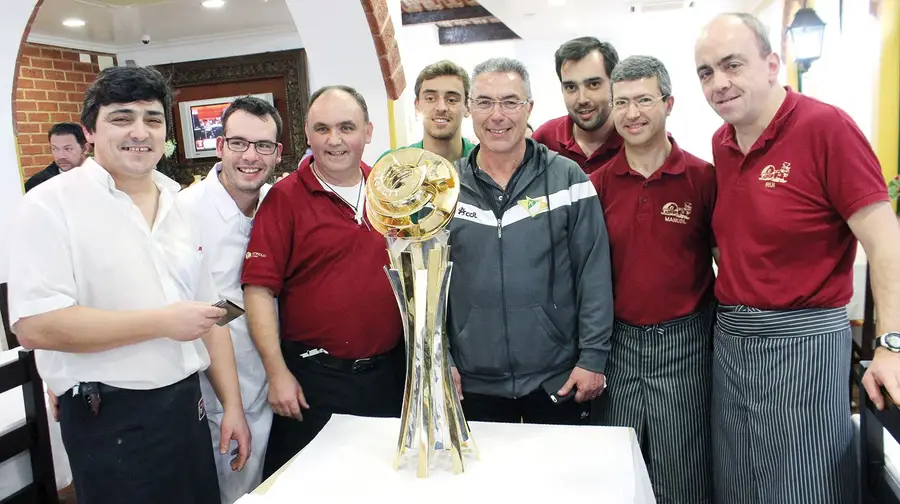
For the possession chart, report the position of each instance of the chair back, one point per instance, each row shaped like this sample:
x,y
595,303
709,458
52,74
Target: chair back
x,y
32,437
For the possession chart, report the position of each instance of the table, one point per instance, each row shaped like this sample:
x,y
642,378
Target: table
x,y
15,473
351,461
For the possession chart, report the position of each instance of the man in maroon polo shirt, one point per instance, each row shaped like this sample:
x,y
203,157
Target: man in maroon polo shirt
x,y
586,135
658,202
332,347
798,185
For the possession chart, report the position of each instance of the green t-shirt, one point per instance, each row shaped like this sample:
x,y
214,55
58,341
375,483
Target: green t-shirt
x,y
467,148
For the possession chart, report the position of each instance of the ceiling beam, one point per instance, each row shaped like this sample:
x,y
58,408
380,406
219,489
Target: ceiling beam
x,y
436,16
474,33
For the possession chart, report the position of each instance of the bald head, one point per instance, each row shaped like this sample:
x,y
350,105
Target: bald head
x,y
729,22
736,66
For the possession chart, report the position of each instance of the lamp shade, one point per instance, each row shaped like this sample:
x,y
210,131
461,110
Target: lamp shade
x,y
807,35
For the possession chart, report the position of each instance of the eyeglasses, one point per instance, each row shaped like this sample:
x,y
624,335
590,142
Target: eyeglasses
x,y
487,104
643,103
263,147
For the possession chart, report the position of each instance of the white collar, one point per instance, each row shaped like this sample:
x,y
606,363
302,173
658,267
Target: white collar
x,y
223,201
99,174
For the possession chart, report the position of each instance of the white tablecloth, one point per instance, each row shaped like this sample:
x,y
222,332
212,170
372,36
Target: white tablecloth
x,y
15,473
351,461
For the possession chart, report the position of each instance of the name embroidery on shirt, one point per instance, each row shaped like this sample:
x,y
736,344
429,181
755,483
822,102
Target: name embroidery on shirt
x,y
671,212
534,206
772,176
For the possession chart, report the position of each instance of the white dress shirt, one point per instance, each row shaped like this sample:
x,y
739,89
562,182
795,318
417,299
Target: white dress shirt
x,y
77,240
225,232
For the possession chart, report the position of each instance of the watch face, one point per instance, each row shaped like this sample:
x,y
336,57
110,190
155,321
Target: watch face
x,y
892,341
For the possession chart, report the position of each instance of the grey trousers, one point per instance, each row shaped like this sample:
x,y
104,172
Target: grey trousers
x,y
658,383
781,407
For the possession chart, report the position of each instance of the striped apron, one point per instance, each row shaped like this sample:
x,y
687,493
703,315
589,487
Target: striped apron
x,y
781,407
659,380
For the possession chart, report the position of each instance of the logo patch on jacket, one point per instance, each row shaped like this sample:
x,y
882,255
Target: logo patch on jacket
x,y
535,206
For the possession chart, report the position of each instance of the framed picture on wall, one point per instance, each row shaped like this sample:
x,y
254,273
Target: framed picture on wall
x,y
201,123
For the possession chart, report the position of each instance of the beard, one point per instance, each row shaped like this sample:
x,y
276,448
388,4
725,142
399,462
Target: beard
x,y
594,124
442,134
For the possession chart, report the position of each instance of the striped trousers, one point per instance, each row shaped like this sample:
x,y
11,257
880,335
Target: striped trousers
x,y
658,383
781,407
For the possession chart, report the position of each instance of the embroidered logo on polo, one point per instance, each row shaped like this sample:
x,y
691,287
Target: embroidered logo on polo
x,y
535,206
772,176
250,255
671,212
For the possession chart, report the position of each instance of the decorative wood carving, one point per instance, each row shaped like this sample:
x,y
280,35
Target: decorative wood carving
x,y
287,66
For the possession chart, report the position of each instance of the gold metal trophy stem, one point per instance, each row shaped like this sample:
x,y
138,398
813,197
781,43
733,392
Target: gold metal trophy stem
x,y
411,196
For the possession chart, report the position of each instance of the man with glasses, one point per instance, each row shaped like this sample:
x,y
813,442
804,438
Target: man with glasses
x,y
224,204
442,93
799,185
586,135
332,342
658,202
530,303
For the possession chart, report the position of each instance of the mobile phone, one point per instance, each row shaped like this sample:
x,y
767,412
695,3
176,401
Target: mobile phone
x,y
552,385
232,311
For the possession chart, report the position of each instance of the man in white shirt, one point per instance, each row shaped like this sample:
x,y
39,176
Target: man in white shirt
x,y
108,281
224,205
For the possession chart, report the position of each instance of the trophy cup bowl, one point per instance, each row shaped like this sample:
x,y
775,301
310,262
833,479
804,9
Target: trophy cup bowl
x,y
411,196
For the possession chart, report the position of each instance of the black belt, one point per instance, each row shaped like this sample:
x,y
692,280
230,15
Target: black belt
x,y
319,356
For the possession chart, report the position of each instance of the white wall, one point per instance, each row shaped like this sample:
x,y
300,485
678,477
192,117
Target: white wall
x,y
340,50
12,26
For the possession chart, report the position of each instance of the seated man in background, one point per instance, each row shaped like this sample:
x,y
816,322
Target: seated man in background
x,y
224,204
331,343
530,302
69,148
442,93
116,298
658,203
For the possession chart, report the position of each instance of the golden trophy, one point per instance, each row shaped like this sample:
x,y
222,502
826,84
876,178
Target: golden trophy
x,y
411,196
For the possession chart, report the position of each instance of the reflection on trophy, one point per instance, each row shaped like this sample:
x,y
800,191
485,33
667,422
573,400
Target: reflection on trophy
x,y
411,196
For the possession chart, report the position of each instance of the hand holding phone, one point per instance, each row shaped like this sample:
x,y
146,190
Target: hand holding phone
x,y
232,311
552,385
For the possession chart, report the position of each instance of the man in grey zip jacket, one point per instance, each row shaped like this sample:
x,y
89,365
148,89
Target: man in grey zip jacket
x,y
530,301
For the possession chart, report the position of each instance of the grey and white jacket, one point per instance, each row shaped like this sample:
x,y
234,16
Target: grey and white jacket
x,y
530,291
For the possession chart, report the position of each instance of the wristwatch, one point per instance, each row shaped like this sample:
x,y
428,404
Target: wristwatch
x,y
890,340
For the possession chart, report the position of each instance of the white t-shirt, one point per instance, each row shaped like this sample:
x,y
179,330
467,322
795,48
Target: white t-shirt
x,y
355,196
78,240
225,232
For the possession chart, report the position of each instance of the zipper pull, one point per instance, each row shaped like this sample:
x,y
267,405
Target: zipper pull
x,y
499,229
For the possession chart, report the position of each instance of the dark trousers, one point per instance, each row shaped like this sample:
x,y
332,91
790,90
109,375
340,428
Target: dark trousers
x,y
534,408
373,392
144,446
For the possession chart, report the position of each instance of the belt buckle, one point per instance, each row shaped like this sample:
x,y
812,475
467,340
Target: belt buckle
x,y
362,365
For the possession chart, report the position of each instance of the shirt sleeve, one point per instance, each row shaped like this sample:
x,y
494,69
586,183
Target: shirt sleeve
x,y
271,240
41,276
853,176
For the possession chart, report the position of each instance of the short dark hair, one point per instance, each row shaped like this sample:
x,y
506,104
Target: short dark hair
x,y
347,89
577,49
255,106
124,85
68,128
440,69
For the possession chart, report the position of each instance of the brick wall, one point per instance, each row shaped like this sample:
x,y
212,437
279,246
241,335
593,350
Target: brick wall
x,y
49,89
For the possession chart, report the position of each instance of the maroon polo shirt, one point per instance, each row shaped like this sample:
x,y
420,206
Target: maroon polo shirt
x,y
781,218
558,136
660,236
326,270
